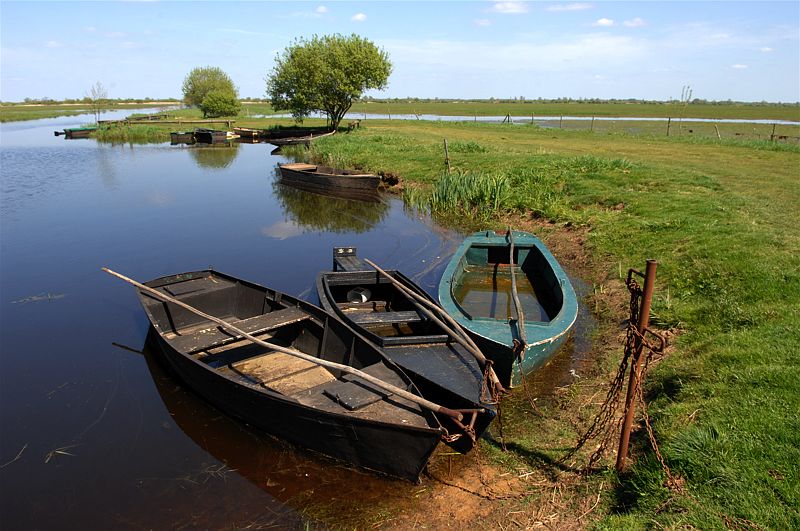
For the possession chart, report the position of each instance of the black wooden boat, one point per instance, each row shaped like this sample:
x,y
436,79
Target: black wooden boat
x,y
76,132
294,140
210,136
372,305
245,132
186,137
328,411
324,177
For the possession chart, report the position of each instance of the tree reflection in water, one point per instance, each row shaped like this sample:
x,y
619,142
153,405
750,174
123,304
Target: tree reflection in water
x,y
343,212
214,156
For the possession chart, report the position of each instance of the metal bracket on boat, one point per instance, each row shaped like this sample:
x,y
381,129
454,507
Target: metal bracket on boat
x,y
468,429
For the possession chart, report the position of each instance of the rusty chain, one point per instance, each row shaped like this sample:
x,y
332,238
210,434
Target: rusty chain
x,y
606,424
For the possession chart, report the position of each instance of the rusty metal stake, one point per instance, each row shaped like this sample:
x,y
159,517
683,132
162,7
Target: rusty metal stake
x,y
636,362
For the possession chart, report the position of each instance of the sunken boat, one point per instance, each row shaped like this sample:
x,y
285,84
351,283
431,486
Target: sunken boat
x,y
210,136
511,294
312,383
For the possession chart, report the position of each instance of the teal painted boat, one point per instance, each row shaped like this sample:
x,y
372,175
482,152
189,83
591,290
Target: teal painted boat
x,y
476,289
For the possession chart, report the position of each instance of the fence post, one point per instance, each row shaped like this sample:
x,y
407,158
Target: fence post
x,y
446,156
560,121
591,127
669,121
636,362
772,136
719,137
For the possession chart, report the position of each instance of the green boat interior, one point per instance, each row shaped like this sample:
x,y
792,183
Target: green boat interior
x,y
482,285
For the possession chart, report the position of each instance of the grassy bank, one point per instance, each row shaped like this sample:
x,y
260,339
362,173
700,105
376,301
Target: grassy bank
x,y
721,218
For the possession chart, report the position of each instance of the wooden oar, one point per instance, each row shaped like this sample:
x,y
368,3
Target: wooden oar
x,y
436,408
454,330
515,295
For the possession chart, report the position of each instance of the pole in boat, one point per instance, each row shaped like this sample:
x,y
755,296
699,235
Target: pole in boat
x,y
522,343
436,408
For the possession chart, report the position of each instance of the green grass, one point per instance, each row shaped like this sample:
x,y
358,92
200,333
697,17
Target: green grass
x,y
136,134
721,217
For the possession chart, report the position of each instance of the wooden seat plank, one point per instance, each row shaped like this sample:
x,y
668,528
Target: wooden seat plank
x,y
373,318
216,336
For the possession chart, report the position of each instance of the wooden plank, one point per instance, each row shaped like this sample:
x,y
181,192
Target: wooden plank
x,y
300,381
214,336
365,319
373,306
273,366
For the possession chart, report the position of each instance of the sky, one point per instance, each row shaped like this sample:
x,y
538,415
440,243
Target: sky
x,y
737,50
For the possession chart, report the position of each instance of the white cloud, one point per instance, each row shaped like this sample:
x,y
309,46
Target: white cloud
x,y
359,17
766,49
578,6
54,44
321,10
603,22
483,22
90,29
588,52
129,45
510,8
114,34
738,67
634,23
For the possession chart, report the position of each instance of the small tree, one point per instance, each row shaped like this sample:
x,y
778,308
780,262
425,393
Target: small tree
x,y
326,74
220,103
203,80
97,98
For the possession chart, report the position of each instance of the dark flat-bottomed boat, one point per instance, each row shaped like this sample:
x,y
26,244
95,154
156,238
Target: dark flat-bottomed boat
x,y
210,136
329,411
323,178
376,308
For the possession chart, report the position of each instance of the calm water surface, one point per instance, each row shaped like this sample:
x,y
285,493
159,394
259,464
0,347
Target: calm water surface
x,y
95,434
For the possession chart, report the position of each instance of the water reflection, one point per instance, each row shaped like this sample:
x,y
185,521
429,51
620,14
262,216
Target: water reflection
x,y
293,479
214,156
315,211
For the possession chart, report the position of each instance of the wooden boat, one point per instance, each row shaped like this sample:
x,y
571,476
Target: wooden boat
x,y
210,136
245,132
373,306
476,289
329,411
293,140
181,137
324,177
78,132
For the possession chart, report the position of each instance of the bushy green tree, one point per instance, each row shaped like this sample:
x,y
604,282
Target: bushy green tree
x,y
203,80
220,103
326,74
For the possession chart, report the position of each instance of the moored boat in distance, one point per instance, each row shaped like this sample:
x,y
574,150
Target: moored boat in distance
x,y
210,136
76,132
293,140
245,132
311,404
186,137
476,289
324,177
379,310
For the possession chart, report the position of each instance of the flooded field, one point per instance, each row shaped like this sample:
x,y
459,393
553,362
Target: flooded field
x,y
95,433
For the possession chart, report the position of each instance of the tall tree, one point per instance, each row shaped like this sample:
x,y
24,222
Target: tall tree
x,y
203,80
326,74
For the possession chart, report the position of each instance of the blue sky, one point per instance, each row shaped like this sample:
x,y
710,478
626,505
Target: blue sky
x,y
748,51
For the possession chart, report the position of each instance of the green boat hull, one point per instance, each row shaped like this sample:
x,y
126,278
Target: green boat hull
x,y
475,290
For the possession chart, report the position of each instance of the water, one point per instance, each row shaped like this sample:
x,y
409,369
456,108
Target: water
x,y
94,434
486,292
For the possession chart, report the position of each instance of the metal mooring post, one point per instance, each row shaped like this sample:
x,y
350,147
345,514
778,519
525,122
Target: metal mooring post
x,y
636,363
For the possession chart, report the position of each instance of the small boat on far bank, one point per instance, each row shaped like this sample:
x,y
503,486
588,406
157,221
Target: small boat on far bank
x,y
210,136
186,137
324,178
245,132
294,140
477,289
76,132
